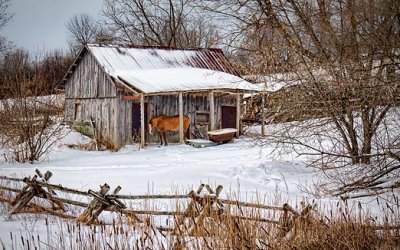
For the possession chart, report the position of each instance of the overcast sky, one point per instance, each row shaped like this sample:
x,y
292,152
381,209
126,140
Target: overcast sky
x,y
40,24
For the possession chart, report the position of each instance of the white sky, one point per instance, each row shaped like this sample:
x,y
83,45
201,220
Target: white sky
x,y
39,25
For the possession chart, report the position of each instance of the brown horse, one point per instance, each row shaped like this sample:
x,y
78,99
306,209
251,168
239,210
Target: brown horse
x,y
165,123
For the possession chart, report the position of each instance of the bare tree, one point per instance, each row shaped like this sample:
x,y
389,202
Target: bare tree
x,y
29,123
5,17
49,71
163,22
82,29
20,75
14,69
346,70
30,126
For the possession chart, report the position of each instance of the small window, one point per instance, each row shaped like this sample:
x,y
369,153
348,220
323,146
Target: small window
x,y
78,112
202,117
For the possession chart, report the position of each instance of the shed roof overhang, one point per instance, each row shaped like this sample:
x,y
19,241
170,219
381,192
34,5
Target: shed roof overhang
x,y
188,79
171,77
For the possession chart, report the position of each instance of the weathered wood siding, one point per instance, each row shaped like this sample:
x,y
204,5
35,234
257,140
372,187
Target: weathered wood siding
x,y
103,113
123,135
88,80
89,87
193,106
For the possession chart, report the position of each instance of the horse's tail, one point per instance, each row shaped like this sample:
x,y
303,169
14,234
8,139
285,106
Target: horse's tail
x,y
188,132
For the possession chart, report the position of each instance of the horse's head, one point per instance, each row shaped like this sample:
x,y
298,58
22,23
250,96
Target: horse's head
x,y
153,124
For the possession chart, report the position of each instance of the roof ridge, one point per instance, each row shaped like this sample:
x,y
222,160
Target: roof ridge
x,y
151,47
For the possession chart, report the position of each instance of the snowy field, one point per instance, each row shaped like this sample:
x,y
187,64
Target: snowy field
x,y
239,167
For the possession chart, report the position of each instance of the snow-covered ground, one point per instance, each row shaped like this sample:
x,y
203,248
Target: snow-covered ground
x,y
238,166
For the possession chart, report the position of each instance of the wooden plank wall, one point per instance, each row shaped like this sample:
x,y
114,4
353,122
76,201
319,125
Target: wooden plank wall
x,y
113,116
168,105
103,113
90,87
124,121
89,81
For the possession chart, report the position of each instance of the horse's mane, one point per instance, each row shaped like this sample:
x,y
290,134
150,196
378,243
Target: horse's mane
x,y
161,116
156,117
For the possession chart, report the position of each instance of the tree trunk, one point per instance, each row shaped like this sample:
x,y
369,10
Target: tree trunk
x,y
367,137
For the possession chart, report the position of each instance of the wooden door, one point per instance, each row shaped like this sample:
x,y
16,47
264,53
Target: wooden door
x,y
228,119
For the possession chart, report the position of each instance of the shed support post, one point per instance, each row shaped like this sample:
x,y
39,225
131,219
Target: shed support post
x,y
181,139
262,114
212,111
142,125
238,114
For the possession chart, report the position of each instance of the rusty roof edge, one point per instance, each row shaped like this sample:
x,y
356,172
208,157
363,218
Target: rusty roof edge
x,y
154,47
215,53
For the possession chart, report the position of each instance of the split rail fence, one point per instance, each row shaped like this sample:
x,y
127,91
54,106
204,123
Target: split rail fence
x,y
201,204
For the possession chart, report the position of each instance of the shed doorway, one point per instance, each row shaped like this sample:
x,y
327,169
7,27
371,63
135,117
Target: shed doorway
x,y
228,119
136,126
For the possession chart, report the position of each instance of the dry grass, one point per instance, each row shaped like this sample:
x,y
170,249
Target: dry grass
x,y
227,227
233,233
228,233
209,223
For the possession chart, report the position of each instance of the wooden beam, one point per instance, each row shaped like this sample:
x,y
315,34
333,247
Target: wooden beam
x,y
212,110
131,97
181,139
142,125
238,99
220,95
199,91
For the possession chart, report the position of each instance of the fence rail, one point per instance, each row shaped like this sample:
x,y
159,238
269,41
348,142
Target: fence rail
x,y
201,204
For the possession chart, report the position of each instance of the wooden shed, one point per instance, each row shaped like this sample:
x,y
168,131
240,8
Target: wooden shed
x,y
121,88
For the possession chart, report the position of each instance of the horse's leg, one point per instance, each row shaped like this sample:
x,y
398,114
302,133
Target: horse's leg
x,y
161,138
186,135
165,139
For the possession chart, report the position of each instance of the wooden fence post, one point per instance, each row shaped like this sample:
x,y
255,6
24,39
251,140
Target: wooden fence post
x,y
95,203
206,205
100,202
31,190
100,209
198,209
287,223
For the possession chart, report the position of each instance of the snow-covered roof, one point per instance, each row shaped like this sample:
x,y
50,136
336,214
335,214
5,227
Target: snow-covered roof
x,y
155,70
182,79
274,82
